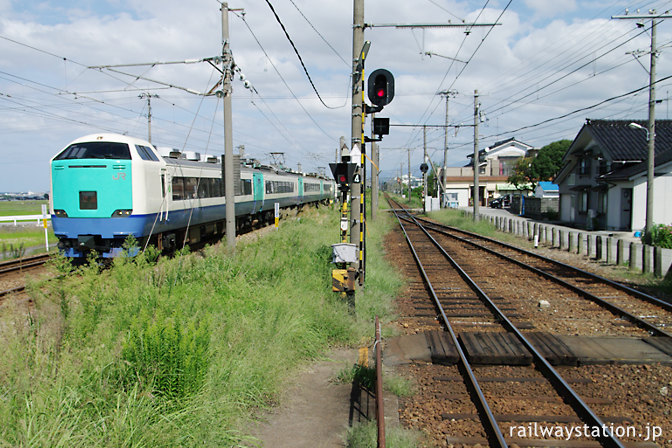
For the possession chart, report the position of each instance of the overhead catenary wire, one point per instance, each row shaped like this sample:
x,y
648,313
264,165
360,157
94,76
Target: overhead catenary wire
x,y
298,55
310,116
320,34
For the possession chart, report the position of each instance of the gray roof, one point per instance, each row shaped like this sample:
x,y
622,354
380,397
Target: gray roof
x,y
622,143
626,173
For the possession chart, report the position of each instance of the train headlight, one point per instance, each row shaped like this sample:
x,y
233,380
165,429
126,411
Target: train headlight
x,y
121,213
60,213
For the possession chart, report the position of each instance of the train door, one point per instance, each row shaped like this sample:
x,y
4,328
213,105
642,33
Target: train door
x,y
167,193
258,179
300,190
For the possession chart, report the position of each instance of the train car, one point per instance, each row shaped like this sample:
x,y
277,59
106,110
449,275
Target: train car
x,y
105,187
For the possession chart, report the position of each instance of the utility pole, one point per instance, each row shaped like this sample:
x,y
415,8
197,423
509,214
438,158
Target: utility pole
x,y
424,159
149,97
409,174
447,94
374,175
401,173
358,150
357,43
475,196
227,91
653,16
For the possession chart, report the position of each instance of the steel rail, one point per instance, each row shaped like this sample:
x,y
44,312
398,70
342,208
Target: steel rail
x,y
561,386
615,284
615,309
21,263
492,428
12,290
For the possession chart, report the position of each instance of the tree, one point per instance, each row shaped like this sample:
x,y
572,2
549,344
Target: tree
x,y
548,162
545,166
522,173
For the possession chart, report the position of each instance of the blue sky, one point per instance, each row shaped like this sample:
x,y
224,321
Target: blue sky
x,y
548,58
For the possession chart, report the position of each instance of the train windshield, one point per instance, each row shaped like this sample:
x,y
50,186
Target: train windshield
x,y
96,150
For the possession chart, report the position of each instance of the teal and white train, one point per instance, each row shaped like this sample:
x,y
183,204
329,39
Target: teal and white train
x,y
105,187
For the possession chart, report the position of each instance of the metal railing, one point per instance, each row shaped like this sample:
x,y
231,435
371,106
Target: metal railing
x,y
24,218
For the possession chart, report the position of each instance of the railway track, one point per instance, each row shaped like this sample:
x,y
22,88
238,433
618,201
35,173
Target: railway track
x,y
489,404
11,281
645,311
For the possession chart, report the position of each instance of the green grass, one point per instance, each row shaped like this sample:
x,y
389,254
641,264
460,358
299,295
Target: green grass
x,y
366,436
14,208
12,237
182,352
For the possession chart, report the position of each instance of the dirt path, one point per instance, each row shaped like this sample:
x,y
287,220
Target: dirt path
x,y
315,411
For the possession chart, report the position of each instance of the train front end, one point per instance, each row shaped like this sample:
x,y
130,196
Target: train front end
x,y
92,197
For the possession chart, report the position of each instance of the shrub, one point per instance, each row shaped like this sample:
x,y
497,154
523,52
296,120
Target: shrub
x,y
167,358
661,236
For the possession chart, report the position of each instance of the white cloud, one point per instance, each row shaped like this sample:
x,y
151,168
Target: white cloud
x,y
512,61
551,8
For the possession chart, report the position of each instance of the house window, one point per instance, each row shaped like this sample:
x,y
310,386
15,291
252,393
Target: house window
x,y
584,166
583,202
602,202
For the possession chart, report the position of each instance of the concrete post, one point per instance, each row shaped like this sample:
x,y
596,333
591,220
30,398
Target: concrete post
x,y
632,262
571,242
610,250
580,245
620,256
657,261
647,256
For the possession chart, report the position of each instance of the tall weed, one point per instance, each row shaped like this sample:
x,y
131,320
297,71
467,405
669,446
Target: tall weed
x,y
179,352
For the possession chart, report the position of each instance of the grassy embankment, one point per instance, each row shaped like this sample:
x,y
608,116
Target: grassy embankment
x,y
15,239
183,351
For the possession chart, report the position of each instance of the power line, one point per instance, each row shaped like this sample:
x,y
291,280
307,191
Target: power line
x,y
321,36
583,109
310,116
305,70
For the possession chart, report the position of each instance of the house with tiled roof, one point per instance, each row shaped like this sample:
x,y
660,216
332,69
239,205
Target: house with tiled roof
x,y
496,163
602,182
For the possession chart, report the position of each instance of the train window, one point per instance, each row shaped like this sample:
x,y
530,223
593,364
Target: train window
x,y
277,186
311,187
219,188
178,189
88,200
245,187
203,188
96,150
146,153
190,186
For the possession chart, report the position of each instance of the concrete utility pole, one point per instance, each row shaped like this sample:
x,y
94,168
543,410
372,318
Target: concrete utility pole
x,y
651,134
227,91
424,160
447,94
476,184
409,174
149,97
356,137
401,173
374,175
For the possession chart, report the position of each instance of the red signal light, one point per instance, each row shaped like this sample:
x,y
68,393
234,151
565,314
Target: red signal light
x,y
342,179
381,93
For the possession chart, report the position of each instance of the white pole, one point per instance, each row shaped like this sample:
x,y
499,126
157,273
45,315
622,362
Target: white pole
x,y
44,221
